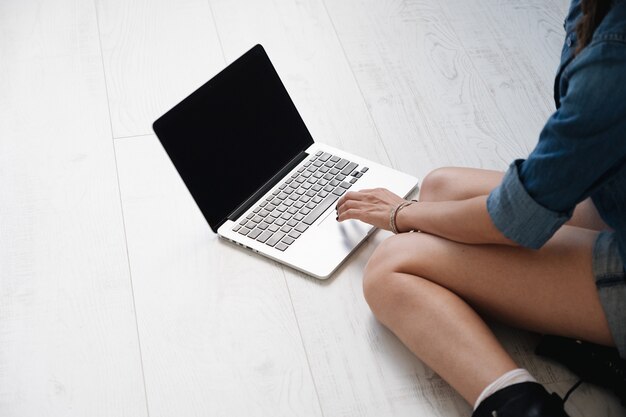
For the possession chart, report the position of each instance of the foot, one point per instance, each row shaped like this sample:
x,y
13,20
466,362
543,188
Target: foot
x,y
527,399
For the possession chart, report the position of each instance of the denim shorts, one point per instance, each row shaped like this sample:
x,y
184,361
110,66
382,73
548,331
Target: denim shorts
x,y
608,269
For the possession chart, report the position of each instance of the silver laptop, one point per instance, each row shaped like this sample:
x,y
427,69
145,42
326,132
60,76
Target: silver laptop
x,y
258,177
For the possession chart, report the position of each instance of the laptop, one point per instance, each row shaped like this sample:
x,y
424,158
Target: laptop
x,y
260,180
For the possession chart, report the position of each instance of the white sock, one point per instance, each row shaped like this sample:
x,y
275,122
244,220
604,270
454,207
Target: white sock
x,y
512,377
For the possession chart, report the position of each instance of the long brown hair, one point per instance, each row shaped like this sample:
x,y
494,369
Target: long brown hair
x,y
593,13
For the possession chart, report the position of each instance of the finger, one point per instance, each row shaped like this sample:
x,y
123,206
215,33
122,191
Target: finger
x,y
351,195
350,204
350,214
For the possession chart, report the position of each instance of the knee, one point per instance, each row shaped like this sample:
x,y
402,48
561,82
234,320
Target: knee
x,y
383,284
438,185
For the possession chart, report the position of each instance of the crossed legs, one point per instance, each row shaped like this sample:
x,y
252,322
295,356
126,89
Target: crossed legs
x,y
432,292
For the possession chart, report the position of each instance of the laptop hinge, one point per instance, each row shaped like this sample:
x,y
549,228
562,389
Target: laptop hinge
x,y
266,187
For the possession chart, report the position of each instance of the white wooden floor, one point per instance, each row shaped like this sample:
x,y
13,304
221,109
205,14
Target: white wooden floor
x,y
116,299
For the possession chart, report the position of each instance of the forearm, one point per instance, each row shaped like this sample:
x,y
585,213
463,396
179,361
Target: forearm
x,y
465,221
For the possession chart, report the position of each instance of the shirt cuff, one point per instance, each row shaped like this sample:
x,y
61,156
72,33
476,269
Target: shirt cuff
x,y
518,216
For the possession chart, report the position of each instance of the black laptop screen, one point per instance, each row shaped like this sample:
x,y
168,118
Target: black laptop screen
x,y
233,134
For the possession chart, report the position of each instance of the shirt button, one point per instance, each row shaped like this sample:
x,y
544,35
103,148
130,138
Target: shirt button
x,y
569,41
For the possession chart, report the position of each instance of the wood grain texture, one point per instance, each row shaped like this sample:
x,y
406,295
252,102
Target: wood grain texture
x,y
301,42
68,341
155,54
217,327
415,84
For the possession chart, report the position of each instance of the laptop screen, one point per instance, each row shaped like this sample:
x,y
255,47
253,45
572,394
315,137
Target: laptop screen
x,y
233,134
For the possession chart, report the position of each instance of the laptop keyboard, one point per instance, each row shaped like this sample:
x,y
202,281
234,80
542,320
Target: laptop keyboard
x,y
300,200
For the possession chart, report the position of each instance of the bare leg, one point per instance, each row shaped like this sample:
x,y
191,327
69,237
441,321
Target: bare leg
x,y
453,183
428,290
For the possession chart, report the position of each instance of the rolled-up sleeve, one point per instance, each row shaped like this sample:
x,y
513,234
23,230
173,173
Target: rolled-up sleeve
x,y
580,147
518,216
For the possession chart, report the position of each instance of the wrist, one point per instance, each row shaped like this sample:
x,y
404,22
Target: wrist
x,y
401,222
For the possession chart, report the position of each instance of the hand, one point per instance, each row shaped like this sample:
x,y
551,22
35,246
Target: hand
x,y
371,206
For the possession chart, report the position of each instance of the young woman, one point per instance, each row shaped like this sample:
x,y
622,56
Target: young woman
x,y
541,247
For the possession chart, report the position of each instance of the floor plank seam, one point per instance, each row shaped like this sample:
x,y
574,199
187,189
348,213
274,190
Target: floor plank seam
x,y
369,112
132,136
119,191
306,354
217,32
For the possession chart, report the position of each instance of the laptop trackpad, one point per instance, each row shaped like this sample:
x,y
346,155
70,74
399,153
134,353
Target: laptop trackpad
x,y
348,232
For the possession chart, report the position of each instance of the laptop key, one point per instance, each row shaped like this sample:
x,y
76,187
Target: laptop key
x,y
298,217
264,213
286,228
279,222
317,211
301,227
274,214
298,204
324,169
294,234
323,194
311,205
236,228
317,199
334,183
263,225
275,238
264,236
249,216
244,231
335,158
324,157
353,180
334,171
339,191
364,169
281,247
255,233
345,185
349,168
328,177
292,222
318,153
342,163
340,177
273,228
287,240
292,210
305,211
316,187
310,193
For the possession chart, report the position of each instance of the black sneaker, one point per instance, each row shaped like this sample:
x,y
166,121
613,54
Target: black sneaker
x,y
526,399
592,363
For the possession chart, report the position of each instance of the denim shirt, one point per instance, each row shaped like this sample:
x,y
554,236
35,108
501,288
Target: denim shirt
x,y
581,151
